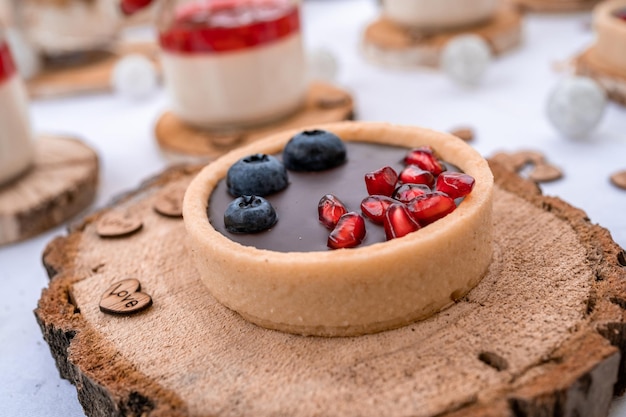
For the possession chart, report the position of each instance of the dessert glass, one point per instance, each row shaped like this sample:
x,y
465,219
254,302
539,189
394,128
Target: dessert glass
x,y
232,63
16,147
61,28
438,15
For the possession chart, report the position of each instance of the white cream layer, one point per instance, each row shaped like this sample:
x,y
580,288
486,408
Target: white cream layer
x,y
16,146
78,26
251,86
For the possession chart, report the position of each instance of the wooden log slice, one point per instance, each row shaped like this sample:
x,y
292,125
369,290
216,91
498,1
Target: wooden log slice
x,y
61,183
555,5
324,103
389,44
541,335
611,79
90,73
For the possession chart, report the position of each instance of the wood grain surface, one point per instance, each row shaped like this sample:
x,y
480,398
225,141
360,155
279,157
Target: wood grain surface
x,y
554,5
541,335
391,45
324,103
91,74
61,183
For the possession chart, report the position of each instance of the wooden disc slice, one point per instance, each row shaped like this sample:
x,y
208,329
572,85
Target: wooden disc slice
x,y
91,74
555,5
619,179
389,44
540,335
611,79
324,103
61,183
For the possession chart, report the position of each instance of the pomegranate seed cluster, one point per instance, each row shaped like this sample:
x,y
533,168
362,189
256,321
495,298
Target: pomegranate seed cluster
x,y
422,193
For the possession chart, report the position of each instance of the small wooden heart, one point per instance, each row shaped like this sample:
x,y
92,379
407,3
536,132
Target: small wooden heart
x,y
169,201
619,179
124,297
118,224
545,173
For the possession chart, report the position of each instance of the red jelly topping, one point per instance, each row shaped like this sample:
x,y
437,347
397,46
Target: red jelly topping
x,y
7,66
132,6
228,25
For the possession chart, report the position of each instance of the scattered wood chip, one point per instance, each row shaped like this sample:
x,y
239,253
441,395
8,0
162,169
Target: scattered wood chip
x,y
530,157
331,101
118,224
619,179
124,297
545,173
529,163
227,139
504,159
464,133
169,201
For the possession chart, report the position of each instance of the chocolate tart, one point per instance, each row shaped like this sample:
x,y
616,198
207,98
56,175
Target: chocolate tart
x,y
348,291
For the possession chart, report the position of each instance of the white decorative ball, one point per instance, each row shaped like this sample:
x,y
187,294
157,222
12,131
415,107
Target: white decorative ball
x,y
465,59
322,65
576,105
27,57
134,76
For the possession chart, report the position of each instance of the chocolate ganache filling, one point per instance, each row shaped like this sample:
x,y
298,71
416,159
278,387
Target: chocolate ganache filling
x,y
298,228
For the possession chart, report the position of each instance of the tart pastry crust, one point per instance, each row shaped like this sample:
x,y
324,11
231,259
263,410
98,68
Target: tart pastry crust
x,y
348,292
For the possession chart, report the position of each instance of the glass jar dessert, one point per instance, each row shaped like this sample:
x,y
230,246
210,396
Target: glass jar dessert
x,y
16,146
232,63
439,15
59,28
287,271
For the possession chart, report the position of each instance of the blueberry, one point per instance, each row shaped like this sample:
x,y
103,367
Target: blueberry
x,y
257,174
314,150
249,214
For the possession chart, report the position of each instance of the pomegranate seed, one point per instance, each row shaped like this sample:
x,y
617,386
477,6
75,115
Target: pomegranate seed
x,y
425,159
398,221
349,232
416,175
408,192
381,182
455,184
375,206
428,208
330,209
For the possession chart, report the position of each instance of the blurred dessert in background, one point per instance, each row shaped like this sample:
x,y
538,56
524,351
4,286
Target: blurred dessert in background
x,y
16,146
232,63
437,15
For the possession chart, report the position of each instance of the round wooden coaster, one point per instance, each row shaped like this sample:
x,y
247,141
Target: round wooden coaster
x,y
612,80
388,44
324,103
540,335
554,5
91,74
61,183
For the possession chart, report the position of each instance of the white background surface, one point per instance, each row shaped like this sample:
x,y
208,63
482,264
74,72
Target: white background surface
x,y
507,112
